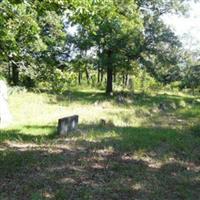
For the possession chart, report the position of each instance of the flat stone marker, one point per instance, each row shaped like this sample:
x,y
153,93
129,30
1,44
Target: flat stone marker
x,y
67,124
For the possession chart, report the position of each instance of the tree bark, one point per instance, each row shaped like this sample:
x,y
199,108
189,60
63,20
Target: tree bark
x,y
123,79
98,74
79,77
87,75
9,73
102,75
126,80
114,76
15,74
109,85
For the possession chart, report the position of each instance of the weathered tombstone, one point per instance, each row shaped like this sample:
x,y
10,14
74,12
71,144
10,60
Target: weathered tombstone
x,y
5,116
182,104
173,106
102,122
96,103
120,99
163,107
67,124
131,84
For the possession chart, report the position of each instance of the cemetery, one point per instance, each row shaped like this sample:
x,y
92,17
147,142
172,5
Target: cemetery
x,y
99,99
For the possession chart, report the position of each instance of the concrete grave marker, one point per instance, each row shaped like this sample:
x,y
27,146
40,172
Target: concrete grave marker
x,y
5,116
67,124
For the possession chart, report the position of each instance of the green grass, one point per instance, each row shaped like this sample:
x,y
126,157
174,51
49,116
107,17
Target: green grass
x,y
137,154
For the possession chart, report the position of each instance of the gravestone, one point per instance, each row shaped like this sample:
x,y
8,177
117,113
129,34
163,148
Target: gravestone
x,y
163,107
131,84
121,99
5,116
67,124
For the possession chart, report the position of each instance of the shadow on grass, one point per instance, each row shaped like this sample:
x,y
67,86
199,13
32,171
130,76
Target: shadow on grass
x,y
101,162
192,112
138,99
101,165
121,139
162,141
81,97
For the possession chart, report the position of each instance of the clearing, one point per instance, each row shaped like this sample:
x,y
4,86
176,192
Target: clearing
x,y
144,151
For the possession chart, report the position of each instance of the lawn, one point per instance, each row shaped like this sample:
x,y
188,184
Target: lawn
x,y
141,152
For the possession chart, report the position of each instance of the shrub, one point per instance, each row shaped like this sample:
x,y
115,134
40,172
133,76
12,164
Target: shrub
x,y
182,104
195,130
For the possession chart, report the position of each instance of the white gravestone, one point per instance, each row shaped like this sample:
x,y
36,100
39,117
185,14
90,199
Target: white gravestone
x,y
5,116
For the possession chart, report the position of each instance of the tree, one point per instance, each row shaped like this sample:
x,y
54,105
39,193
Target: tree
x,y
32,39
160,51
112,26
21,37
192,78
35,42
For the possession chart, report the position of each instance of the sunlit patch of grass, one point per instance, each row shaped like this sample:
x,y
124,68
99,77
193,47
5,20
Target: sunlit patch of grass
x,y
191,112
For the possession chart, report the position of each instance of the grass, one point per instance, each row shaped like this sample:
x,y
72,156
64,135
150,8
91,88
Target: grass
x,y
140,153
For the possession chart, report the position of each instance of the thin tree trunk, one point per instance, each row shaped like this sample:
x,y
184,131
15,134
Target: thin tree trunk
x,y
79,77
114,76
123,79
9,73
87,75
126,80
15,74
102,75
98,74
143,81
109,86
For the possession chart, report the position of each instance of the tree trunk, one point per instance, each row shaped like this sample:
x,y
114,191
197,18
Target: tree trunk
x,y
123,79
143,81
9,73
87,75
98,75
102,74
79,77
109,86
126,80
15,74
114,76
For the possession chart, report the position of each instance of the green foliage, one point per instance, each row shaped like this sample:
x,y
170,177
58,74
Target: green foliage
x,y
192,77
112,37
144,82
195,130
58,82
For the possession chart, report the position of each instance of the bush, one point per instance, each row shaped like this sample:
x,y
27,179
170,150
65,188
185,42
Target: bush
x,y
195,130
182,104
58,82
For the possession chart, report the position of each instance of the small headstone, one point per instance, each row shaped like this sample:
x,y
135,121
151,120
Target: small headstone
x,y
173,106
163,107
102,122
5,116
96,103
155,110
108,123
182,104
67,124
130,84
120,99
